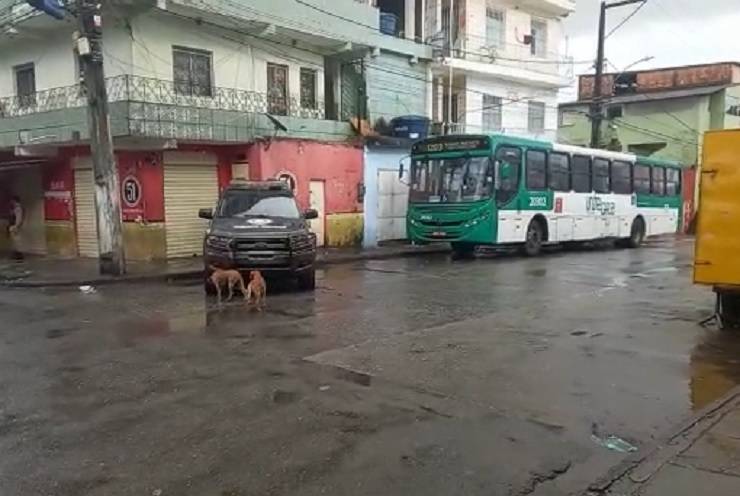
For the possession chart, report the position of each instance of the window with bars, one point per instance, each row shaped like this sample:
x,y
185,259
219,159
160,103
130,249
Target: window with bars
x,y
25,84
277,89
538,47
492,113
495,26
308,88
536,117
192,71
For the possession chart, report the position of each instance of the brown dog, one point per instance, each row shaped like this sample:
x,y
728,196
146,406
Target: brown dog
x,y
230,278
257,289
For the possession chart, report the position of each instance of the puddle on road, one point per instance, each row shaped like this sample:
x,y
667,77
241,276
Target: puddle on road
x,y
715,367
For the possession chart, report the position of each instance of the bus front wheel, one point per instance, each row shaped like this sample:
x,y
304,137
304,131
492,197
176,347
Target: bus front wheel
x,y
637,233
462,250
535,236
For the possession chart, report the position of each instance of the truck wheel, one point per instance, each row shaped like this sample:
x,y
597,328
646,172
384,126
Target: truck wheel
x,y
729,304
637,233
307,280
533,243
462,250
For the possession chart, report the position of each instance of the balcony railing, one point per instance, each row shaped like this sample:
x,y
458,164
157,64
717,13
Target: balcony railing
x,y
136,89
514,55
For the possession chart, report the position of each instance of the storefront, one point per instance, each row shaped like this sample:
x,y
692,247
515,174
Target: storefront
x,y
161,193
28,180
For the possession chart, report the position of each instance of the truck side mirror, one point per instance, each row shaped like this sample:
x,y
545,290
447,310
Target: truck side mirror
x,y
205,213
310,214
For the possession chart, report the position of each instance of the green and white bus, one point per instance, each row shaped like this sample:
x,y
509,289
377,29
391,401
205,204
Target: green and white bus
x,y
472,190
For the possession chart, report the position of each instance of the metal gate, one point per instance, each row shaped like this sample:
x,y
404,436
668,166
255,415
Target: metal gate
x,y
393,198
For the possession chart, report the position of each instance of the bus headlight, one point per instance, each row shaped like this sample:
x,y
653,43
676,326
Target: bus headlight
x,y
481,218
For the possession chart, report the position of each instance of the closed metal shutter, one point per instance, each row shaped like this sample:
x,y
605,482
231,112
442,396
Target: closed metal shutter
x,y
85,220
187,189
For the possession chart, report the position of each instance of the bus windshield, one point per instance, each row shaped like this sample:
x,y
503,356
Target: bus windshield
x,y
452,180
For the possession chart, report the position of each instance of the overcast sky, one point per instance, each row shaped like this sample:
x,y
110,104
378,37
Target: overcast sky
x,y
674,32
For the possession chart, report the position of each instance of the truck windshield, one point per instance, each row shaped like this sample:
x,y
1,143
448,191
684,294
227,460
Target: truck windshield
x,y
453,180
258,204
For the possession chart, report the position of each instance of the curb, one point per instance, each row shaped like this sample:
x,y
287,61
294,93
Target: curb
x,y
192,274
672,444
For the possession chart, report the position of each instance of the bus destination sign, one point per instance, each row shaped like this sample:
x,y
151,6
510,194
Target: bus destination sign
x,y
452,144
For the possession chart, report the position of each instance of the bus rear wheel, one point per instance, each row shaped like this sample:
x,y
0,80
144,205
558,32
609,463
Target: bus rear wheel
x,y
462,250
637,233
535,236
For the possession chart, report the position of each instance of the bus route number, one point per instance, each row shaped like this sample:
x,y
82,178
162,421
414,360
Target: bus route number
x,y
538,201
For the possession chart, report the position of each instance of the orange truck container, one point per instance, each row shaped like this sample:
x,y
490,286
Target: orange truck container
x,y
717,255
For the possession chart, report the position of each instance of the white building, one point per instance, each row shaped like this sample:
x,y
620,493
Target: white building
x,y
506,64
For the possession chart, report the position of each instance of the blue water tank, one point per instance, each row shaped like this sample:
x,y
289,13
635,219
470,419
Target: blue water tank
x,y
410,126
388,23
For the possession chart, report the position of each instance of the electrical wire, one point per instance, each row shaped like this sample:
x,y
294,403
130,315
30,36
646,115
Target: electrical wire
x,y
433,46
626,19
303,48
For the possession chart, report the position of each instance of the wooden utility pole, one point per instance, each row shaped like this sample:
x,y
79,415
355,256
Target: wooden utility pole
x,y
107,197
597,111
597,105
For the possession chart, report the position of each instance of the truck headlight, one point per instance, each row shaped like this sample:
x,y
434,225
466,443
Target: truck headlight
x,y
218,242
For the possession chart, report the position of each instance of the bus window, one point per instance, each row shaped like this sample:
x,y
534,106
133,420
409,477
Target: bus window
x,y
536,176
558,171
600,175
658,183
672,182
508,163
642,179
581,174
621,177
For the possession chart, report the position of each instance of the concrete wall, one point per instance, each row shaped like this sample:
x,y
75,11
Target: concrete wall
x,y
515,109
339,166
377,159
240,64
54,59
395,86
678,123
518,22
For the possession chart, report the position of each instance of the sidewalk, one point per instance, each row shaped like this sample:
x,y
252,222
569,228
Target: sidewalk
x,y
702,457
40,272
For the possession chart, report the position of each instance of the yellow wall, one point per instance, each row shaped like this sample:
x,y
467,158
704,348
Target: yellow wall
x,y
344,229
144,241
61,239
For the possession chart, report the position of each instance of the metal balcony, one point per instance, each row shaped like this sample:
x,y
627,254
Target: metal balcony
x,y
148,107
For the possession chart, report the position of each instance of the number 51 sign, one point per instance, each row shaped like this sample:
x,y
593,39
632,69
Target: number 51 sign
x,y
131,192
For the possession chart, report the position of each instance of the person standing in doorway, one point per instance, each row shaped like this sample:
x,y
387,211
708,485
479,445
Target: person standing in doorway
x,y
14,227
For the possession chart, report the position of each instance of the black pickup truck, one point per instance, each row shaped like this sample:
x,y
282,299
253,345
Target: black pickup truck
x,y
257,226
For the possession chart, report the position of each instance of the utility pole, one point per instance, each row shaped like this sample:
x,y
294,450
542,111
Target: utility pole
x,y
597,107
107,198
451,75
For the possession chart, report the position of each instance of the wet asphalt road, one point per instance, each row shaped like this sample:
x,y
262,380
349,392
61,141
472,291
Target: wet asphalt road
x,y
415,376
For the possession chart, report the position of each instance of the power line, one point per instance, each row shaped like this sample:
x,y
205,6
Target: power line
x,y
626,19
433,46
302,48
